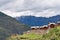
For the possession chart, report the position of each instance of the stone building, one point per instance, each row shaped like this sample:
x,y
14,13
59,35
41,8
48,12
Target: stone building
x,y
51,25
42,29
45,27
34,27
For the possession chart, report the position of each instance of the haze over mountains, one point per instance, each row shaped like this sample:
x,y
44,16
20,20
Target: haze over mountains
x,y
37,8
34,19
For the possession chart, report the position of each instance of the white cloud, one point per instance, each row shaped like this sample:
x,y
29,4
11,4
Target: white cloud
x,y
38,8
17,14
12,5
45,13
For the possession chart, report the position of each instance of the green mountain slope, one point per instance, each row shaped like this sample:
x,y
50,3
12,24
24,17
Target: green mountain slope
x,y
9,26
53,34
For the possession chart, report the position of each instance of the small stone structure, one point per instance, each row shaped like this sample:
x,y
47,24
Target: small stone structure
x,y
45,27
51,25
34,27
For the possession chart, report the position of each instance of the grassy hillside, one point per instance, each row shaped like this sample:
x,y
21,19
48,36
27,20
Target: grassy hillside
x,y
9,26
53,34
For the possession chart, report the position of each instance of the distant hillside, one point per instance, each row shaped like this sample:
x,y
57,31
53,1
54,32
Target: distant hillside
x,y
10,26
38,21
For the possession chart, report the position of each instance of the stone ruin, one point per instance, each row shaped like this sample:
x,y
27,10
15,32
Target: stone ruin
x,y
42,29
45,27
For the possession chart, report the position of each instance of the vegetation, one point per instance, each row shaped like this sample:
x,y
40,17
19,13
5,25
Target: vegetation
x,y
9,26
52,34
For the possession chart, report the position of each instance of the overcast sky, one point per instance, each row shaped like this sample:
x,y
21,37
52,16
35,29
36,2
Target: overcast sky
x,y
38,8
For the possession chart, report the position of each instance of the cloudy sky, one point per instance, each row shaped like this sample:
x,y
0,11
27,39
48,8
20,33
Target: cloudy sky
x,y
38,8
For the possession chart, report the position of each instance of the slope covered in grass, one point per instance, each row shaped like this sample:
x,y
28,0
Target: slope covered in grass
x,y
9,26
53,34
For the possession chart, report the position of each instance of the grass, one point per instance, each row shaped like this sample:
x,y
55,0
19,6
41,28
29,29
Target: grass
x,y
53,34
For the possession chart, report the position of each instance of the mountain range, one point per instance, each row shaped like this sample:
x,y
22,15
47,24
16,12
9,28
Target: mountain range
x,y
10,26
38,21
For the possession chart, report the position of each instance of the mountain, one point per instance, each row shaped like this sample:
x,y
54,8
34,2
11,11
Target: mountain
x,y
10,26
38,21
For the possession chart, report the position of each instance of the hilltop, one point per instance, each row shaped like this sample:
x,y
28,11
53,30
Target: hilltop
x,y
10,26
